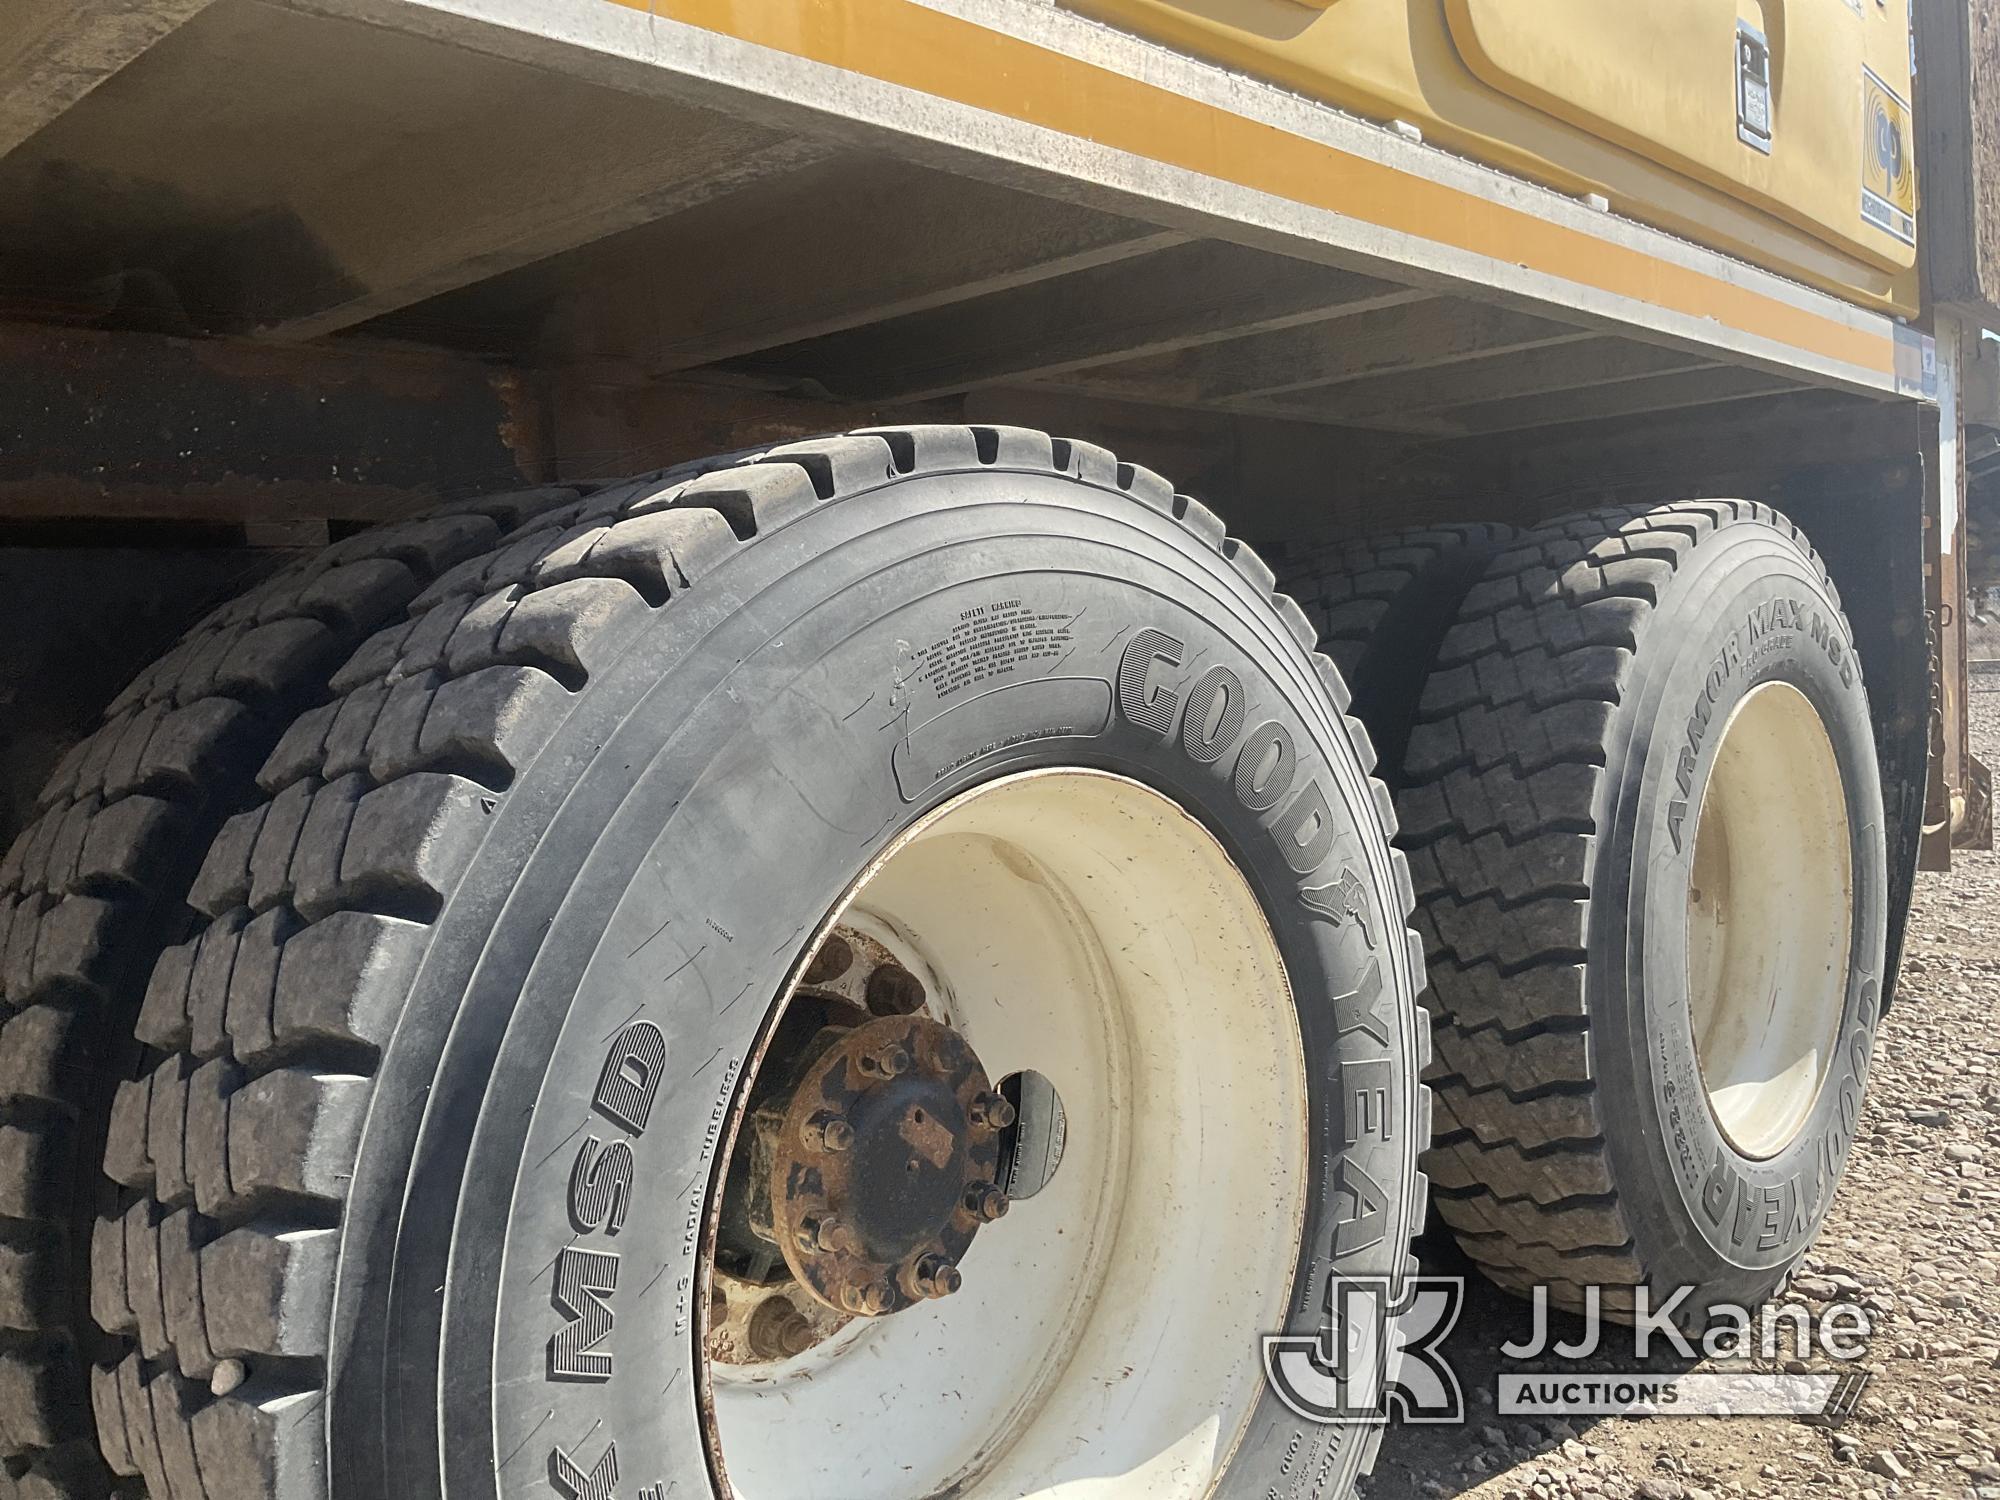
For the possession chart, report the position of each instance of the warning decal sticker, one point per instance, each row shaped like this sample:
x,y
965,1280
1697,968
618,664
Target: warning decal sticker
x,y
1888,171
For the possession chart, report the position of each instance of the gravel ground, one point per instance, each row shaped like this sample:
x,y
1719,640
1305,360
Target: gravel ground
x,y
1914,1237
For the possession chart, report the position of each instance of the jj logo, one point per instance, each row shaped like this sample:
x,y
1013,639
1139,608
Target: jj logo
x,y
1377,1352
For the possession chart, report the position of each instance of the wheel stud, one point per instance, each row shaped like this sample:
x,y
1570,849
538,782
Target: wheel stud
x,y
992,1112
933,1276
828,1132
833,1233
871,1301
985,1202
891,1060
778,1330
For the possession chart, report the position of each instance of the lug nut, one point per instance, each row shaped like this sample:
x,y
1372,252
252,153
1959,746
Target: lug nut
x,y
935,1276
778,1330
827,1232
991,1112
894,991
837,1234
890,1061
870,1301
828,1132
985,1202
834,959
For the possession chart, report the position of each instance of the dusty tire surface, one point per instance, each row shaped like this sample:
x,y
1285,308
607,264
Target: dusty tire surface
x,y
96,887
599,785
1554,781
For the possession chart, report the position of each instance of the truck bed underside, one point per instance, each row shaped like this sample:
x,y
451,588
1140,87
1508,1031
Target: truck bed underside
x,y
418,194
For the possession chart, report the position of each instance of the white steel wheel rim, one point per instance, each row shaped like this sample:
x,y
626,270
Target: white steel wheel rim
x,y
1770,919
1104,1342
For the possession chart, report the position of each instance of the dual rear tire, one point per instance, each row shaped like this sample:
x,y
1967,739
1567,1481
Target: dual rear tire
x,y
450,1144
1640,799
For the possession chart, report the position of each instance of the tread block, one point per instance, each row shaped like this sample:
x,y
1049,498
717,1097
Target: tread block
x,y
359,592
659,553
276,849
375,657
247,1022
494,719
43,1055
109,1409
224,878
216,953
207,1140
129,842
257,1443
77,947
166,1130
402,849
174,1403
65,852
36,1166
125,1158
108,1275
120,770
397,728
570,630
301,750
315,867
34,1281
267,659
35,1410
181,1295
269,1290
293,1133
344,979
142,1277
758,497
838,465
353,721
928,446
422,650
136,1415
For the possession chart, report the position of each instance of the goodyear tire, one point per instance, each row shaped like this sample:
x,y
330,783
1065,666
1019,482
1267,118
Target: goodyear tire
x,y
1642,809
433,1187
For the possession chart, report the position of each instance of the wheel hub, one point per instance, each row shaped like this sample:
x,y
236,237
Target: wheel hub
x,y
884,1168
868,1163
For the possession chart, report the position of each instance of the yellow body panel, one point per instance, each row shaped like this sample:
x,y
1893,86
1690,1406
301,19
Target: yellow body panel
x,y
1634,100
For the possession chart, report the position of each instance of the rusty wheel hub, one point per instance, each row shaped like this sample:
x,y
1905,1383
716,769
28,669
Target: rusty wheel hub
x,y
884,1168
866,1166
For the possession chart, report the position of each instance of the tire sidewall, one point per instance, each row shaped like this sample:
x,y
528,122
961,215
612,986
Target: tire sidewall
x,y
707,802
1748,609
